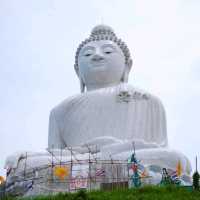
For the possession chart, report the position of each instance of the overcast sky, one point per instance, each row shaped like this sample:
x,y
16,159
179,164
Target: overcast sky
x,y
38,40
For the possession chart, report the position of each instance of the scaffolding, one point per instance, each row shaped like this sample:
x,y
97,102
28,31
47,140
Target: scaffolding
x,y
70,176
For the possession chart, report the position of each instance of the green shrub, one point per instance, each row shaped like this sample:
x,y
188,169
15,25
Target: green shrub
x,y
143,193
196,180
81,195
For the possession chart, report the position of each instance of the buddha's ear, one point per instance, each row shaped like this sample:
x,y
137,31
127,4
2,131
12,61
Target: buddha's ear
x,y
76,70
129,64
126,71
82,85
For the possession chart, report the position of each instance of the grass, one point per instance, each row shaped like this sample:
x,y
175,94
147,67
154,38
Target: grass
x,y
143,193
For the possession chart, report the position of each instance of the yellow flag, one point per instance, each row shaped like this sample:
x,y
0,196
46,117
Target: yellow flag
x,y
179,168
61,172
2,180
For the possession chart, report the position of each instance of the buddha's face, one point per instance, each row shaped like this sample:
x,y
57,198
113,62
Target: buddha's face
x,y
101,64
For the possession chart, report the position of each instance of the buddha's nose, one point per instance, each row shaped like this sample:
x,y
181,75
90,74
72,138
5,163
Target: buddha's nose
x,y
97,58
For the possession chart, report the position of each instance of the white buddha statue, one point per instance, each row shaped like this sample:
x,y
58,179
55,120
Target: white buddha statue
x,y
109,107
109,114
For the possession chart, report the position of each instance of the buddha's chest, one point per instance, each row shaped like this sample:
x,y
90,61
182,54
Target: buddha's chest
x,y
103,116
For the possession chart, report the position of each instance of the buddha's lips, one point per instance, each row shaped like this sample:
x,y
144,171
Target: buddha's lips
x,y
98,64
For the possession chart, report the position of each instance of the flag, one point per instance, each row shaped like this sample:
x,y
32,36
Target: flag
x,y
100,172
143,173
61,172
174,177
8,170
29,184
2,180
179,168
134,167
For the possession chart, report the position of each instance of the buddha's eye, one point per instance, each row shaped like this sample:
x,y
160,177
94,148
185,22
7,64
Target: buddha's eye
x,y
108,52
88,54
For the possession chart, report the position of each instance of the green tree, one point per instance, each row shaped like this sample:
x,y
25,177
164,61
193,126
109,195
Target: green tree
x,y
195,178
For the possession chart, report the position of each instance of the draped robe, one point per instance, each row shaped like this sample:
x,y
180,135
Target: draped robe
x,y
122,112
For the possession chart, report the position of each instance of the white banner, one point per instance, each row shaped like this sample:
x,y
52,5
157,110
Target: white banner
x,y
79,179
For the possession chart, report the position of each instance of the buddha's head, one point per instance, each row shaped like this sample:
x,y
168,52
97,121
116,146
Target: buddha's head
x,y
102,60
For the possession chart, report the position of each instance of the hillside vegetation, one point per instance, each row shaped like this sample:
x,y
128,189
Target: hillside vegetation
x,y
144,193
